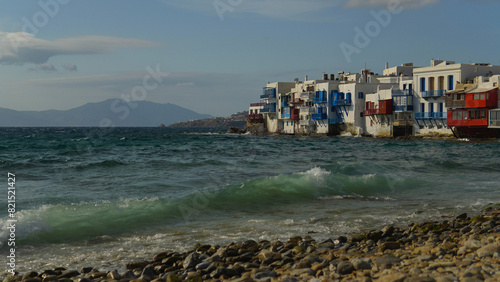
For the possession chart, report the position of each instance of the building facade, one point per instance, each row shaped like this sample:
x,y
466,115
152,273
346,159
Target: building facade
x,y
404,101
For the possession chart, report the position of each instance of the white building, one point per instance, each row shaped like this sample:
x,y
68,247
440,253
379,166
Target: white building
x,y
432,83
404,101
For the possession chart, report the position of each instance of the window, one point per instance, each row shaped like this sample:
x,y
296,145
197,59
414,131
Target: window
x,y
459,115
360,95
450,82
422,84
441,83
481,96
476,96
455,115
431,83
483,114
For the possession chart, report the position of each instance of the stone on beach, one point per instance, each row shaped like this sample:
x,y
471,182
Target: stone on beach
x,y
463,248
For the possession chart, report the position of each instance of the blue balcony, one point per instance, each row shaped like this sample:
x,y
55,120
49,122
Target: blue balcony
x,y
439,115
269,108
341,99
337,120
320,100
433,93
431,115
284,104
342,102
269,93
319,116
285,115
320,97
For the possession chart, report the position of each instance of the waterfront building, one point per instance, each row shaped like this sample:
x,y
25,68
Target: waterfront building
x,y
473,110
431,85
404,101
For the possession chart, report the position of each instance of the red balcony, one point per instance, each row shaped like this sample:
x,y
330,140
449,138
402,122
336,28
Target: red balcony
x,y
370,112
257,104
473,117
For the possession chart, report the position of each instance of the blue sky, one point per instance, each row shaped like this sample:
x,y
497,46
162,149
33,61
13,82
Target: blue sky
x,y
214,56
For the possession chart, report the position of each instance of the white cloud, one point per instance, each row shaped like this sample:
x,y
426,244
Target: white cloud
x,y
20,47
70,67
44,67
413,4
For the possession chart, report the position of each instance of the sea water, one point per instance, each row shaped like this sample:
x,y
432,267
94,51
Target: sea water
x,y
103,197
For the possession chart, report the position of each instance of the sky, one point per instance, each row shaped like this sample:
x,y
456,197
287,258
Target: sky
x,y
214,56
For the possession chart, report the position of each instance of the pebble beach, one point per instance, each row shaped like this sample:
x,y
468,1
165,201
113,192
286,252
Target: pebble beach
x,y
459,248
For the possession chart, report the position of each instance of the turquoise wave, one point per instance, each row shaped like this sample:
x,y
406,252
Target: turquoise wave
x,y
87,221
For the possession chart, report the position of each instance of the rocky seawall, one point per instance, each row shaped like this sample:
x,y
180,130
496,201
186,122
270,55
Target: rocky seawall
x,y
235,120
461,248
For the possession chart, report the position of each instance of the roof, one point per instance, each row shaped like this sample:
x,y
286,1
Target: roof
x,y
481,90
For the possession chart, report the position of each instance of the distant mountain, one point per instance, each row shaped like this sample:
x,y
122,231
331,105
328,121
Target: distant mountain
x,y
116,111
236,120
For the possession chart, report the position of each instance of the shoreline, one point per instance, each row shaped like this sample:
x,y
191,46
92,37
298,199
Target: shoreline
x,y
461,248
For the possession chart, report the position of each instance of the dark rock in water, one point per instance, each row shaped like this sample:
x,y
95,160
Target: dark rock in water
x,y
236,130
462,216
191,260
30,274
113,275
341,239
134,265
86,270
69,274
160,256
387,231
148,273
